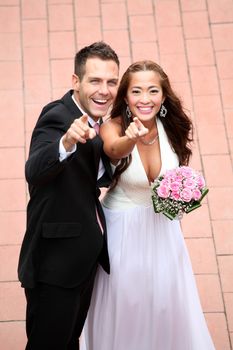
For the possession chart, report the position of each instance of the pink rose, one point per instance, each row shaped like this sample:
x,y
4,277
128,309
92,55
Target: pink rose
x,y
196,194
186,194
186,171
175,196
164,182
170,174
163,191
200,181
175,186
190,183
178,178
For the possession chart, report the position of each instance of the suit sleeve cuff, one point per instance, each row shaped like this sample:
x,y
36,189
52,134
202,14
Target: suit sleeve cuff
x,y
63,154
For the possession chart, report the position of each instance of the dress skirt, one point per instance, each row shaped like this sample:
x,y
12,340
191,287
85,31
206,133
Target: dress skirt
x,y
150,300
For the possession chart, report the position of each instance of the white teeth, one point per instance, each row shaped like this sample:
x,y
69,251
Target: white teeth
x,y
100,101
145,108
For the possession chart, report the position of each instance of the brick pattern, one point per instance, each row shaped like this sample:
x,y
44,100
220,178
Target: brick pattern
x,y
193,41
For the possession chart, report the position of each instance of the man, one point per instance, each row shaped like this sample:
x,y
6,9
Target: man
x,y
65,237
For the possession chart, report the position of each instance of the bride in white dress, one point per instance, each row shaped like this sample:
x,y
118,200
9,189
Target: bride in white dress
x,y
150,300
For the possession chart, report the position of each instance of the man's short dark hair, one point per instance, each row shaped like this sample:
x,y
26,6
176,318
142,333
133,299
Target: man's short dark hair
x,y
98,49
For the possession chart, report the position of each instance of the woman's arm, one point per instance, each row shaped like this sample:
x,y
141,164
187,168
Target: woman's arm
x,y
117,146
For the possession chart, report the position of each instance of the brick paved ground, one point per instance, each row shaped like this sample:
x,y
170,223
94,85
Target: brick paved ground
x,y
193,41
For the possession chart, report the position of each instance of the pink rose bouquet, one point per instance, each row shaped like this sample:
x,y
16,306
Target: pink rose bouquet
x,y
178,191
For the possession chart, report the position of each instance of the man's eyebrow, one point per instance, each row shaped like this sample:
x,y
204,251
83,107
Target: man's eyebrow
x,y
99,78
93,77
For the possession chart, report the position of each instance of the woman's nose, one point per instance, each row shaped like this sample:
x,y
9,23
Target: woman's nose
x,y
145,98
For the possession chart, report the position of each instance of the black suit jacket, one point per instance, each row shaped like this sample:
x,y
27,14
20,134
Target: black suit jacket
x,y
63,240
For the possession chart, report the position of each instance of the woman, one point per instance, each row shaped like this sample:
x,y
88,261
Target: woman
x,y
150,300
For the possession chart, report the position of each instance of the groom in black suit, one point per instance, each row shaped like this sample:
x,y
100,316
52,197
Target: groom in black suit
x,y
66,233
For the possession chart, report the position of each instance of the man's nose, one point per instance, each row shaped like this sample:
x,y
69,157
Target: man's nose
x,y
103,89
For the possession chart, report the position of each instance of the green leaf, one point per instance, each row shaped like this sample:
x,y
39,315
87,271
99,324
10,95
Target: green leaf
x,y
194,206
169,215
204,193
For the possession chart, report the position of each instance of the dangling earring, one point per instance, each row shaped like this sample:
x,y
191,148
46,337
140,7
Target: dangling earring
x,y
163,111
128,112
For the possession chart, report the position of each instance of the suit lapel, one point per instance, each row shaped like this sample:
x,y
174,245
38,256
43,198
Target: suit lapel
x,y
97,142
68,101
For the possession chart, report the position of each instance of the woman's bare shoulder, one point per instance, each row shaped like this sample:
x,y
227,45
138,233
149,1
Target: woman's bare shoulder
x,y
115,122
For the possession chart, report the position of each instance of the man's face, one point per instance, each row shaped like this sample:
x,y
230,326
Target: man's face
x,y
97,90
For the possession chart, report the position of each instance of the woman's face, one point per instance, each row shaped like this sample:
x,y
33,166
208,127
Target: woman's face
x,y
145,95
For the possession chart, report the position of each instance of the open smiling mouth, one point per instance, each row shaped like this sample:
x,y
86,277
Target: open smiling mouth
x,y
145,109
100,102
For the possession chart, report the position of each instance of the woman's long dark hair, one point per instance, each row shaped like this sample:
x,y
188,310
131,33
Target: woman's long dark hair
x,y
177,124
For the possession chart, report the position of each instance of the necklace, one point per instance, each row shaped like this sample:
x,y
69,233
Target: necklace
x,y
148,143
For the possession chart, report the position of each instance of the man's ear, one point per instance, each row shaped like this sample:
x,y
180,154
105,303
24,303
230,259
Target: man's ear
x,y
75,82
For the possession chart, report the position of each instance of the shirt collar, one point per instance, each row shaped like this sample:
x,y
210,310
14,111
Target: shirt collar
x,y
90,120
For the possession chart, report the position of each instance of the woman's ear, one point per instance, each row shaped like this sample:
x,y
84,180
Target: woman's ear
x,y
75,82
126,100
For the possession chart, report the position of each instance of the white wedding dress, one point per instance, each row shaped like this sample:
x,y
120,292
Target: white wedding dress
x,y
150,299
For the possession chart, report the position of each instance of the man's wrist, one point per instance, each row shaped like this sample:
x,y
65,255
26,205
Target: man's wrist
x,y
65,152
67,145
